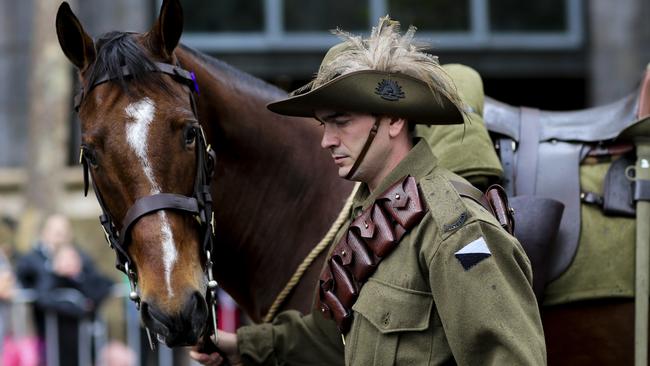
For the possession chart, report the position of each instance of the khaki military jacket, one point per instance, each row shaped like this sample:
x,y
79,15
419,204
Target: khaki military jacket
x,y
456,290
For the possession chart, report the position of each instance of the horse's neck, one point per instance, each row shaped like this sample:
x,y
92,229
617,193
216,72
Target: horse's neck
x,y
275,190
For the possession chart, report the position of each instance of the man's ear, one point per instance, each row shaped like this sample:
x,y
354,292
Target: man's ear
x,y
396,126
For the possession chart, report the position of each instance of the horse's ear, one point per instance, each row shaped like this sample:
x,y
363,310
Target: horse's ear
x,y
167,30
76,44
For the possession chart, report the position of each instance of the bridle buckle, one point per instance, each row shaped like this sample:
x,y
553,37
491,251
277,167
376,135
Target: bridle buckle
x,y
133,294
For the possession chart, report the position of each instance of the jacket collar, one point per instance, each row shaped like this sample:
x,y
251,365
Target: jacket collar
x,y
418,163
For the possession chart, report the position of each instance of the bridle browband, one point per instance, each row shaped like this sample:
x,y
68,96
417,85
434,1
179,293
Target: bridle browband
x,y
199,204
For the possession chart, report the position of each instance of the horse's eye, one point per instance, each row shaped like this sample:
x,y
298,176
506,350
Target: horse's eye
x,y
190,135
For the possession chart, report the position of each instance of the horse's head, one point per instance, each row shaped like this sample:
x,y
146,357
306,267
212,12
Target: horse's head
x,y
141,142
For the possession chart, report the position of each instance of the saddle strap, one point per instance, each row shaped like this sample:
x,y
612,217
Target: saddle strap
x,y
372,236
618,189
507,157
526,170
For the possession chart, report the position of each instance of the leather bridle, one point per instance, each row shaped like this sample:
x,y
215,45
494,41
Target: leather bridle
x,y
199,204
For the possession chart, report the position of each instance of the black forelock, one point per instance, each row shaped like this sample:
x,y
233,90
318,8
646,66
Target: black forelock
x,y
118,49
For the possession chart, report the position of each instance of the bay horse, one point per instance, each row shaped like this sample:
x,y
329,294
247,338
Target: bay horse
x,y
275,193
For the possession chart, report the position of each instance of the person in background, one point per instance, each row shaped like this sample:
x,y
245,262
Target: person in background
x,y
7,283
66,283
7,280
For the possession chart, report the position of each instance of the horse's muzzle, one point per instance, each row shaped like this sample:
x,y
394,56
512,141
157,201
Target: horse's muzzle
x,y
180,329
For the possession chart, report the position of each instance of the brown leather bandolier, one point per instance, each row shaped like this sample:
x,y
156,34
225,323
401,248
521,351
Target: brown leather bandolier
x,y
376,232
495,200
369,238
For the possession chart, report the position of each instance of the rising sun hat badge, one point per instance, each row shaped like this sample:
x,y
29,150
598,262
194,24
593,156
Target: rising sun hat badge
x,y
389,90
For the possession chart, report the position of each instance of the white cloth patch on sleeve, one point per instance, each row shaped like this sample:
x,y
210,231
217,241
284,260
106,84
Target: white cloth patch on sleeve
x,y
473,253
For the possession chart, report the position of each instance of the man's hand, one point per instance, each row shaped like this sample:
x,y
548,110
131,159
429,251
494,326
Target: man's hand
x,y
227,343
213,359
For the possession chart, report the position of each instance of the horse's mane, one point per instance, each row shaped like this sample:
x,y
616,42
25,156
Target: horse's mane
x,y
223,68
116,50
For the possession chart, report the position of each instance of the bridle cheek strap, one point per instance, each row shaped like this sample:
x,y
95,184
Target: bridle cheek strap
x,y
371,137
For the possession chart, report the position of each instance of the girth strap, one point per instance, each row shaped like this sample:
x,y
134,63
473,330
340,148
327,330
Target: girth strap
x,y
149,204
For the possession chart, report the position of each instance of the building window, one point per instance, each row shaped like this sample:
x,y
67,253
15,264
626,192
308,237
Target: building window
x,y
436,16
303,25
321,16
223,15
527,16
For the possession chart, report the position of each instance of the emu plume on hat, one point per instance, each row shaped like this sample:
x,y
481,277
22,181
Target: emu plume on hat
x,y
386,73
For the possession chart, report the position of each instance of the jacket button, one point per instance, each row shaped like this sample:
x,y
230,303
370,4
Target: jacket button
x,y
386,319
397,196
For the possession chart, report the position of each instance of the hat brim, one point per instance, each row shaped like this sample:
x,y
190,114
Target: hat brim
x,y
361,91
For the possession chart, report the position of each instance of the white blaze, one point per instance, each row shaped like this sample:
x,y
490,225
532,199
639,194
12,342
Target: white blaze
x,y
140,115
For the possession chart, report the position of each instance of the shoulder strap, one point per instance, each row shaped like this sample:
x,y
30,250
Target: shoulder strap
x,y
471,192
494,200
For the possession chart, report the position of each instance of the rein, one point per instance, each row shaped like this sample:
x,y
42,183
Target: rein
x,y
199,204
318,249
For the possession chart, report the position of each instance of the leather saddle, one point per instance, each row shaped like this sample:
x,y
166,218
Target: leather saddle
x,y
541,152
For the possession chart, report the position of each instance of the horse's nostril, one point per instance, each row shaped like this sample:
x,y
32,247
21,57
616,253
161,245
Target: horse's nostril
x,y
181,328
155,321
196,311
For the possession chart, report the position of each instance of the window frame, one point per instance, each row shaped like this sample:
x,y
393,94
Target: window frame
x,y
479,36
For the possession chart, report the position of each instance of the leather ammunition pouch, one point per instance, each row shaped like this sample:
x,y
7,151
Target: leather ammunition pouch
x,y
373,235
376,232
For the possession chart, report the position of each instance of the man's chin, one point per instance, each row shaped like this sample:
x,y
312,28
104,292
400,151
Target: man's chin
x,y
343,171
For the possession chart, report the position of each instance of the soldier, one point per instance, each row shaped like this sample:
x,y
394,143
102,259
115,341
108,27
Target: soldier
x,y
418,275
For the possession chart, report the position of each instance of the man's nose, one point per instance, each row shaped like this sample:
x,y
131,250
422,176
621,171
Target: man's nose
x,y
330,139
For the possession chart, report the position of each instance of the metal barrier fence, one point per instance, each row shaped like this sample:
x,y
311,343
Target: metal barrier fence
x,y
92,333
